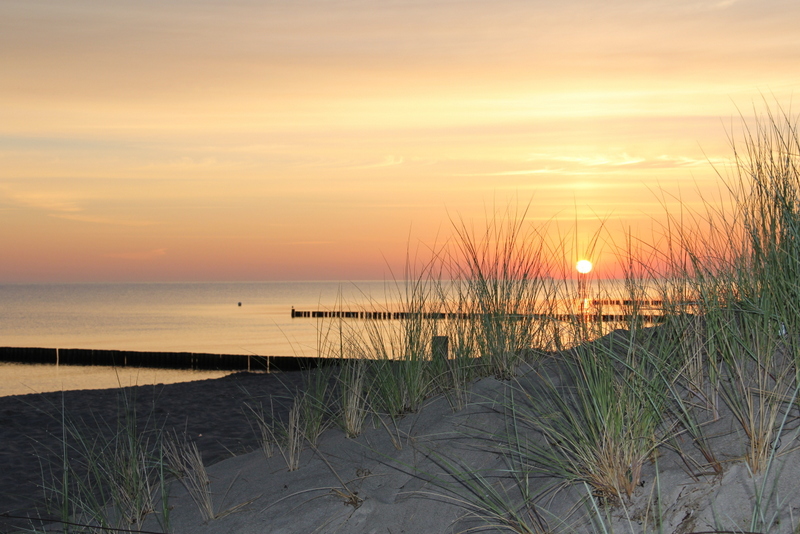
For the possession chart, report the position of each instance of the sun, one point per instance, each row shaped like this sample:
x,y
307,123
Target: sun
x,y
583,266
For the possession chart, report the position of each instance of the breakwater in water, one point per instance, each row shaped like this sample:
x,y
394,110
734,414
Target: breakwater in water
x,y
157,360
589,316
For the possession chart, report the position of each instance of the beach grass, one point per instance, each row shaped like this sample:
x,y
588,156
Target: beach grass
x,y
183,458
110,474
601,408
600,411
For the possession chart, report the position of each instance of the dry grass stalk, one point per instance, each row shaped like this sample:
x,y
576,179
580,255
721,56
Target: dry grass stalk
x,y
292,444
186,462
353,397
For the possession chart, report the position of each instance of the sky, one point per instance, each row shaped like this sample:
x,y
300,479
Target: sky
x,y
320,139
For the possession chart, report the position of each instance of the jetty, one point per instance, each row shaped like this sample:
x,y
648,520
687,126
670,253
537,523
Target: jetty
x,y
653,308
156,360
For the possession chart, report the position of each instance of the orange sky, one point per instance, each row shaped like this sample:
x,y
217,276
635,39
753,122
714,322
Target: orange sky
x,y
270,140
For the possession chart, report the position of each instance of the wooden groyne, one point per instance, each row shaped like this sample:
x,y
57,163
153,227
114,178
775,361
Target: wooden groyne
x,y
628,302
156,360
564,317
380,315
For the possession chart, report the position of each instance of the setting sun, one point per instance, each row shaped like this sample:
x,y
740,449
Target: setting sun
x,y
583,266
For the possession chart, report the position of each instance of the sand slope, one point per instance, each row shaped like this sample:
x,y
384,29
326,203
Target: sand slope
x,y
435,471
440,471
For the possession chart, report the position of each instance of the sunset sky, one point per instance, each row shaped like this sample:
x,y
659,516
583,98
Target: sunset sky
x,y
299,139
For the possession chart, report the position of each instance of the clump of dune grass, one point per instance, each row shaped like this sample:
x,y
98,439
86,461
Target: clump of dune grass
x,y
287,436
496,503
758,382
455,370
599,411
353,396
398,367
186,462
740,263
312,403
398,371
308,416
762,307
506,273
490,295
264,424
401,367
109,474
292,443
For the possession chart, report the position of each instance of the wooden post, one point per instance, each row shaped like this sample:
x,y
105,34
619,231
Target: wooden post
x,y
440,346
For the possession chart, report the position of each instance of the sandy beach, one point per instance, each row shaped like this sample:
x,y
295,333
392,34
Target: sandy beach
x,y
438,470
210,412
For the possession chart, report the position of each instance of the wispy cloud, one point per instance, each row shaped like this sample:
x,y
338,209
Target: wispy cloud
x,y
99,220
523,172
385,161
712,5
620,160
595,165
138,256
311,242
62,205
42,200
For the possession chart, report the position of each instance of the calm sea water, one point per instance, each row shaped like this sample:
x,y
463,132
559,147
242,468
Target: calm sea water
x,y
175,317
169,317
165,317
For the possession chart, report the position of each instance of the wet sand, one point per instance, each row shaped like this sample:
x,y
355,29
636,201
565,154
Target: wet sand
x,y
22,378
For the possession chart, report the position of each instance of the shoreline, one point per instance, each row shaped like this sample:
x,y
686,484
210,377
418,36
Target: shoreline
x,y
35,378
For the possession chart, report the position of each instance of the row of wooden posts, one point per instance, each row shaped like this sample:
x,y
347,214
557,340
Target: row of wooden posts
x,y
175,360
188,360
156,360
566,317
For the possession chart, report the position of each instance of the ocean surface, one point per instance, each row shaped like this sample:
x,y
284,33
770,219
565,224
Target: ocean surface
x,y
165,317
216,318
177,317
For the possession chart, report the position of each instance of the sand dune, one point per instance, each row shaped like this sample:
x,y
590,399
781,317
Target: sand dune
x,y
434,471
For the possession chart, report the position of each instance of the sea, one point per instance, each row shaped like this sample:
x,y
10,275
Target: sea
x,y
239,318
216,318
